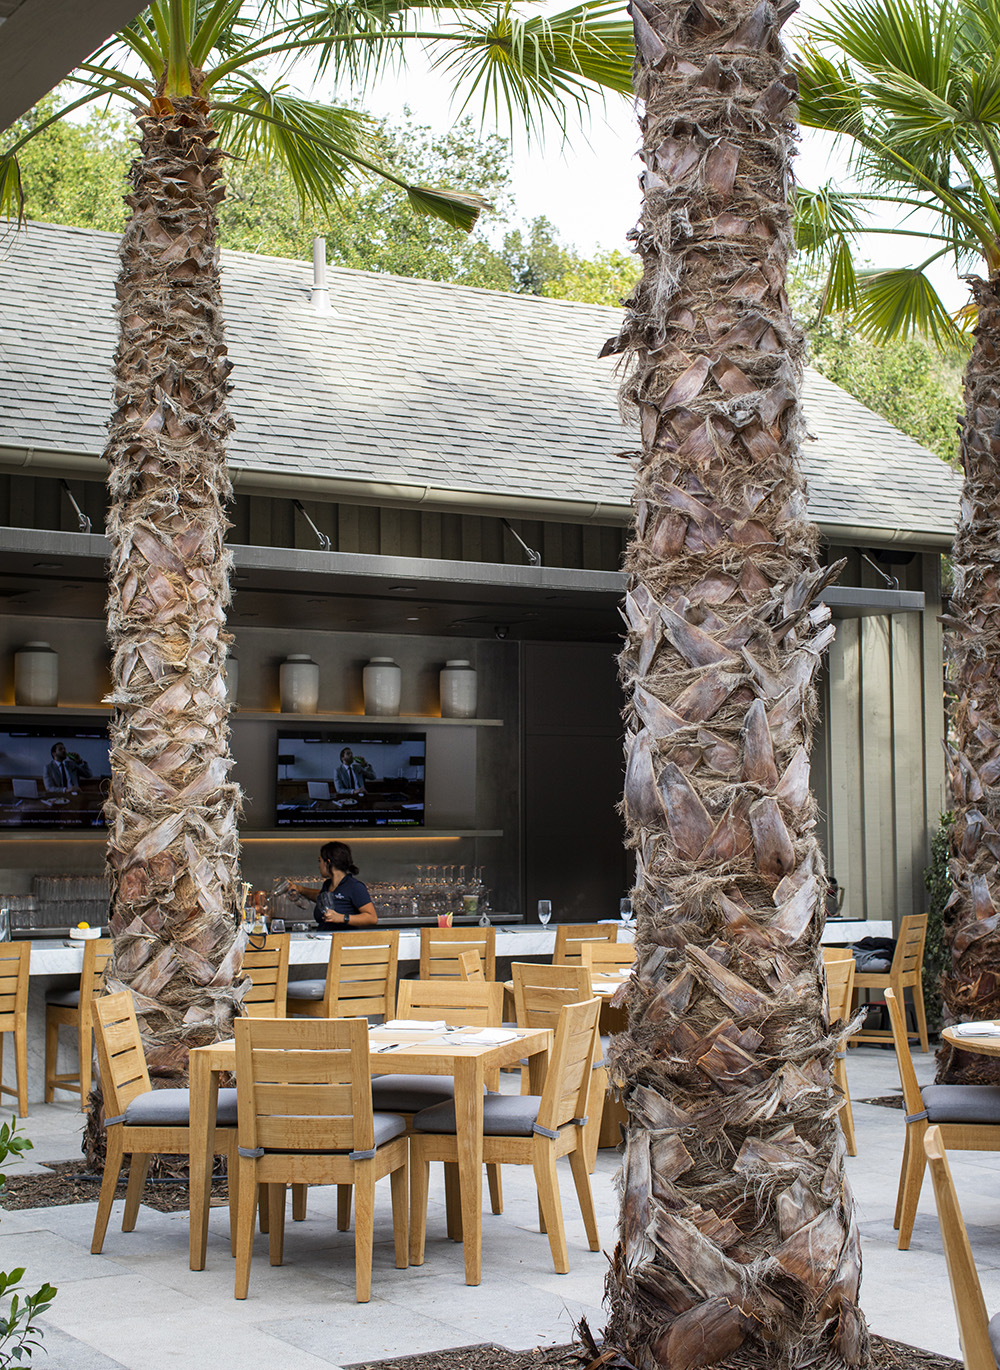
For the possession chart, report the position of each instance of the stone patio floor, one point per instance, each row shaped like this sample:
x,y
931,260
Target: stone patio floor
x,y
139,1306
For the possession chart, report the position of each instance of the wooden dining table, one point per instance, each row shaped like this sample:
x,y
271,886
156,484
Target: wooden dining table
x,y
410,1053
983,1045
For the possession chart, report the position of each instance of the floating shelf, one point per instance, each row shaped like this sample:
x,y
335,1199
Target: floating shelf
x,y
274,716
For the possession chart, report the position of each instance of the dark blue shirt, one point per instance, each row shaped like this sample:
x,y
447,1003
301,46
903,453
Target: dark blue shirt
x,y
349,896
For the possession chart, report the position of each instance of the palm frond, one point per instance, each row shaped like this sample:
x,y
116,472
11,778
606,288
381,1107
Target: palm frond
x,y
915,38
901,302
824,215
829,94
11,190
324,148
525,70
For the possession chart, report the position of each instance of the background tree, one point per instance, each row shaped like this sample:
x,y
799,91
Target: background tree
x,y
914,89
194,74
738,1244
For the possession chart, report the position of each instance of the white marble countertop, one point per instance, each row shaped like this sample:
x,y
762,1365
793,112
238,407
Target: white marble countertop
x,y
310,949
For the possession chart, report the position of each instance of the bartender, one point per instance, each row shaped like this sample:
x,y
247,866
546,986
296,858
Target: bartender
x,y
342,901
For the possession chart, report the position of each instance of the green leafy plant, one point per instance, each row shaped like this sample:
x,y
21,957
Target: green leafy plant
x,y
938,882
20,1334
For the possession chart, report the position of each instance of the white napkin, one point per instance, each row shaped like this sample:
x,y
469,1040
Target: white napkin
x,y
990,1029
415,1025
488,1036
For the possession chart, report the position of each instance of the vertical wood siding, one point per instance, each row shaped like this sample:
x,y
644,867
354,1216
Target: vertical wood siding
x,y
879,768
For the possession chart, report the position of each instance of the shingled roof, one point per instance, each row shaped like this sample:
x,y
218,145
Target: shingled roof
x,y
413,384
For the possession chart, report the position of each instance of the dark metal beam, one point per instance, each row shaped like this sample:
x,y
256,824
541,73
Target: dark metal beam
x,y
43,40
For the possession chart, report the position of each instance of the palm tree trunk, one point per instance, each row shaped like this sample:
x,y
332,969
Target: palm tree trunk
x,y
971,980
737,1241
173,847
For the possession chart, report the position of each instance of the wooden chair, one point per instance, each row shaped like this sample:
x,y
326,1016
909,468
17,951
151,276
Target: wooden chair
x,y
906,972
968,1117
15,963
524,1130
141,1121
74,1008
267,966
839,964
458,1003
440,948
540,993
360,978
470,967
571,936
607,958
978,1333
305,1117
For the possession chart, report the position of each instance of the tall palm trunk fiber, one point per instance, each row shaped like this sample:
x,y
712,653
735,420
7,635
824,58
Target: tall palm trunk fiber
x,y
971,981
173,847
737,1242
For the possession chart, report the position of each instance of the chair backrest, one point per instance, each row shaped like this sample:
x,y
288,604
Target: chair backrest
x,y
439,949
570,937
904,1061
456,1002
303,1084
120,1057
361,974
839,965
908,958
567,1083
607,958
267,966
96,955
470,965
966,1291
15,964
541,991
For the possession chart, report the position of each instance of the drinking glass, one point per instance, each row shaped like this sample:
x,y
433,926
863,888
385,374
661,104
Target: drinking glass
x,y
626,912
544,911
277,925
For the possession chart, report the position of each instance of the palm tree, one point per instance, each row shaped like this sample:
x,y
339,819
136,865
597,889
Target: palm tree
x,y
192,72
738,1244
913,86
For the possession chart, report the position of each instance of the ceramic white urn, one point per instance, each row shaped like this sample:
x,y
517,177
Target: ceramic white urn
x,y
298,679
232,669
36,675
383,684
459,689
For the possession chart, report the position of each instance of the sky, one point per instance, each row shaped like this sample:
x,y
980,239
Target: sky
x,y
589,188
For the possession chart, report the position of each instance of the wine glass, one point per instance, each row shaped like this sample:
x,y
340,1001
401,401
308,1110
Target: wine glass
x,y
544,911
626,912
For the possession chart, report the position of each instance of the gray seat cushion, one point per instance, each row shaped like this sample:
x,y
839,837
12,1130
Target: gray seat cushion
x,y
962,1103
306,989
504,1115
994,1330
172,1108
387,1127
411,1093
63,998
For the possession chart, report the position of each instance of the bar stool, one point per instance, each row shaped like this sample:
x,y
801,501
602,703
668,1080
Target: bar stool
x,y
15,960
75,1008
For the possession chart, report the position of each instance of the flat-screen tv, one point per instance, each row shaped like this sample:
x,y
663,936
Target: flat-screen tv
x,y
53,775
338,778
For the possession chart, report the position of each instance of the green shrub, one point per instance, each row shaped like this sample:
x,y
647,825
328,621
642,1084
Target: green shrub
x,y
19,1333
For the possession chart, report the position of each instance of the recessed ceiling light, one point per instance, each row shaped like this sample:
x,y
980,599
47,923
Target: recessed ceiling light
x,y
404,589
412,618
47,565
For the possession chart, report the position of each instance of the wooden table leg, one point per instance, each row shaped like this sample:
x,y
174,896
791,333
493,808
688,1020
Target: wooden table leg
x,y
538,1068
204,1086
469,1141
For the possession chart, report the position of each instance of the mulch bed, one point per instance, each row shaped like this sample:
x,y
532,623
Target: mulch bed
x,y
886,1355
71,1182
